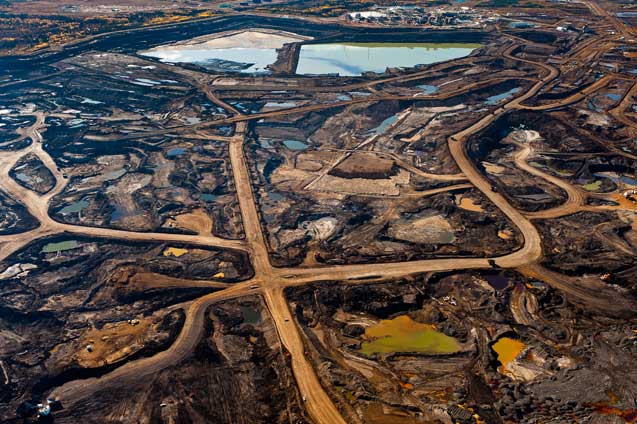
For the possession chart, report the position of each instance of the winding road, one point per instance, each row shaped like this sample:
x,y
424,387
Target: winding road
x,y
575,196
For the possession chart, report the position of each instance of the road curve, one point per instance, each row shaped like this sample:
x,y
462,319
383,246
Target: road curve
x,y
625,103
576,97
130,373
575,197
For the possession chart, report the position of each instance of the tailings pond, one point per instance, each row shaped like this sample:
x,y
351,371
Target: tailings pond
x,y
403,334
353,59
252,51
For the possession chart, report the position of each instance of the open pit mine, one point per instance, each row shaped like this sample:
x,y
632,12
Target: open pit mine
x,y
324,213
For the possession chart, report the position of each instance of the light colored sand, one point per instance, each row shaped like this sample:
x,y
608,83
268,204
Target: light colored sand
x,y
253,38
492,168
467,203
385,187
525,136
431,229
198,221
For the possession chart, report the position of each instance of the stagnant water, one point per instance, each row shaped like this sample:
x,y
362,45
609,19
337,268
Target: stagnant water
x,y
352,59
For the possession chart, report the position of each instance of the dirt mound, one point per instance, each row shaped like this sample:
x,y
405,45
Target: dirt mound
x,y
365,165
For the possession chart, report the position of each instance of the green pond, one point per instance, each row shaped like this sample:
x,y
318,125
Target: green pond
x,y
250,315
60,246
594,186
352,59
74,207
402,334
294,145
